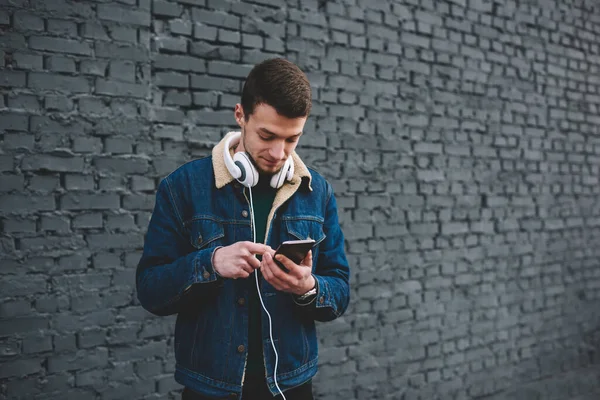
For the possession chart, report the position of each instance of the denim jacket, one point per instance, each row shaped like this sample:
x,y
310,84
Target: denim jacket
x,y
200,207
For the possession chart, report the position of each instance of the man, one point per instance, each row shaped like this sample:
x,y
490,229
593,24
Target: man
x,y
210,240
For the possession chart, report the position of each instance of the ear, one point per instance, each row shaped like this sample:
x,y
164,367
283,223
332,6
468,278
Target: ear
x,y
239,115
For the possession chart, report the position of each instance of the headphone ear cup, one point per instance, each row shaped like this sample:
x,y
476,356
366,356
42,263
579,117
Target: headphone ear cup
x,y
279,178
249,174
233,169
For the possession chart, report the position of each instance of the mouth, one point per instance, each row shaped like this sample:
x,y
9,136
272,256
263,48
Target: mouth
x,y
270,163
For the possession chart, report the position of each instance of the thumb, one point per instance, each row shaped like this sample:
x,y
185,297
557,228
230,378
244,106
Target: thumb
x,y
307,259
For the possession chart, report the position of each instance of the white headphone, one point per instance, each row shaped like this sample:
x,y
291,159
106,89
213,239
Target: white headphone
x,y
244,171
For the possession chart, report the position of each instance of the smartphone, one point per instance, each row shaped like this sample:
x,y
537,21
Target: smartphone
x,y
295,250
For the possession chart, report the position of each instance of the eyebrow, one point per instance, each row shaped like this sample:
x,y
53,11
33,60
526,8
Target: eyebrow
x,y
268,132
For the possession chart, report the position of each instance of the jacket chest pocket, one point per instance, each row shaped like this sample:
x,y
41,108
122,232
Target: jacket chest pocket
x,y
205,232
301,228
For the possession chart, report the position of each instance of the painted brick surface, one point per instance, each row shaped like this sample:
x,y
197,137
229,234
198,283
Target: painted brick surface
x,y
462,139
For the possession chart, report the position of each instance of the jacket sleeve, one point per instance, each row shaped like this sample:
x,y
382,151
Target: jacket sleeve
x,y
168,275
332,271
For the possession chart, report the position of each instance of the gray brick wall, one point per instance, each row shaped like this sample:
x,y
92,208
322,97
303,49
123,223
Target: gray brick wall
x,y
462,139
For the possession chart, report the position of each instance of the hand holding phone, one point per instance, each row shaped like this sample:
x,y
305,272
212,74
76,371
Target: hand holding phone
x,y
295,250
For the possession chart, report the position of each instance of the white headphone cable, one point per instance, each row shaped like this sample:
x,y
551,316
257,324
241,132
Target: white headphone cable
x,y
260,297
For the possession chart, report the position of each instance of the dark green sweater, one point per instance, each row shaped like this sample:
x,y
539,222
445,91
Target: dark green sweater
x,y
262,200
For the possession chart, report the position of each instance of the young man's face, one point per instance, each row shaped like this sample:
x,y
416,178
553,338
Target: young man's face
x,y
268,137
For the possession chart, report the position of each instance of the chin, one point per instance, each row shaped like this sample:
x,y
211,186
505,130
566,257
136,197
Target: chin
x,y
270,170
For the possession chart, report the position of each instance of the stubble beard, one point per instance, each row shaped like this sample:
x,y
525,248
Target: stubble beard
x,y
253,161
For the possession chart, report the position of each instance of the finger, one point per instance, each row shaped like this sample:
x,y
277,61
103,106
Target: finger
x,y
257,248
272,272
253,262
265,270
307,261
241,273
290,265
247,268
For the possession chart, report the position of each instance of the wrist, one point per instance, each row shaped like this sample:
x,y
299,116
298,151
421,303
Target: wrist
x,y
312,286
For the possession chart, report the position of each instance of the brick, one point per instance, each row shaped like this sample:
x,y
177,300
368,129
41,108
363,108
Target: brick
x,y
11,183
12,40
227,36
167,115
171,79
218,118
179,62
79,182
60,45
209,51
14,122
121,89
22,325
88,220
4,17
176,98
62,27
215,18
122,165
122,70
118,145
125,34
28,62
12,78
94,30
113,241
168,132
58,103
20,368
228,69
37,344
206,82
22,203
122,51
52,163
23,101
49,81
181,27
124,15
82,359
44,183
166,9
71,201
25,21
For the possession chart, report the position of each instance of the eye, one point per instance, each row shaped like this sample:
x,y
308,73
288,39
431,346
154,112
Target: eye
x,y
266,138
292,140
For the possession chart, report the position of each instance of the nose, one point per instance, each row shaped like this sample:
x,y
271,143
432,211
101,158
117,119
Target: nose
x,y
277,151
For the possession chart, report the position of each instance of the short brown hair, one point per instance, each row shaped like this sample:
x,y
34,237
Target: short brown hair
x,y
280,84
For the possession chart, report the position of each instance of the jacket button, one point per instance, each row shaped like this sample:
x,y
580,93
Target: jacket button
x,y
241,348
241,301
206,274
322,300
244,213
199,240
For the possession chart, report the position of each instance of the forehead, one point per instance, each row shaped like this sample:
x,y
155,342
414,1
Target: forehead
x,y
268,120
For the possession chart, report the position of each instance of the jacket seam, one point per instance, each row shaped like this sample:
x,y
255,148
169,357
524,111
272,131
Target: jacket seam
x,y
172,201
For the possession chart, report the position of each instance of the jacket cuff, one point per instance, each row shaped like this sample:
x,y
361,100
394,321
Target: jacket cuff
x,y
203,267
212,261
324,296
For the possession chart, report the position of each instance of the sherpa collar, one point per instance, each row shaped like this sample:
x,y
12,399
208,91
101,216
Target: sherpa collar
x,y
223,177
